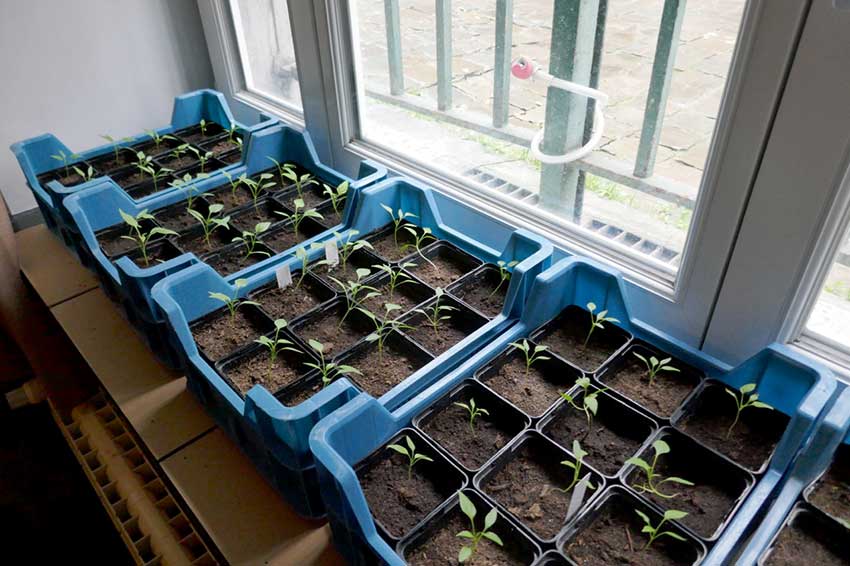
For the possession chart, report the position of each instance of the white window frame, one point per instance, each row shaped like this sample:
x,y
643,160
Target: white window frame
x,y
685,306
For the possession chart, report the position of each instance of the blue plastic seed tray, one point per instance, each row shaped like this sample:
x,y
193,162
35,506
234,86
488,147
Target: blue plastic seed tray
x,y
35,156
794,386
277,434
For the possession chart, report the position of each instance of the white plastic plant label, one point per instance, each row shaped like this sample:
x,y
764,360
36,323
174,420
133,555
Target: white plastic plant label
x,y
578,496
331,252
284,276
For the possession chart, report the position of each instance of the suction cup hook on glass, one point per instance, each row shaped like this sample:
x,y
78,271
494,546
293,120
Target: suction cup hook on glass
x,y
524,68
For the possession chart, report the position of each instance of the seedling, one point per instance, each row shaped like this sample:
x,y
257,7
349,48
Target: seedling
x,y
306,266
579,453
190,190
156,174
349,247
143,162
383,326
504,274
86,175
276,345
257,187
654,365
397,219
329,371
589,402
231,131
397,277
745,397
531,356
473,411
202,157
233,303
211,222
65,160
337,195
179,151
203,124
356,292
138,235
300,182
419,240
655,480
281,167
413,457
249,238
468,509
299,214
158,140
116,144
656,532
436,313
596,320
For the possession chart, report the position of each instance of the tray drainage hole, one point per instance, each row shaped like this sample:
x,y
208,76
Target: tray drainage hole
x,y
181,526
111,493
135,457
168,508
121,511
193,545
105,414
132,529
74,430
145,473
116,429
92,460
125,442
101,476
143,547
83,445
205,560
156,489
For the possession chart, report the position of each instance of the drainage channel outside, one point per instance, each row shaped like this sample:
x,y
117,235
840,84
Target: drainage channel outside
x,y
610,231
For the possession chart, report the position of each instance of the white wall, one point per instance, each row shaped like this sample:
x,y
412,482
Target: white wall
x,y
82,68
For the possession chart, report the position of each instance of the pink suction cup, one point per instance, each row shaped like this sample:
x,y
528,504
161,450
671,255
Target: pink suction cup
x,y
522,68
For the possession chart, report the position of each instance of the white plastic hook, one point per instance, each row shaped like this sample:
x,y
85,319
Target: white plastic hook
x,y
525,68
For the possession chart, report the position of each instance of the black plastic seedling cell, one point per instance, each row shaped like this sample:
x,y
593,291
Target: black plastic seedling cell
x,y
471,444
68,177
534,389
614,434
527,480
360,259
196,134
218,334
610,532
483,289
720,485
808,537
295,300
830,494
436,541
462,322
325,324
566,334
628,376
252,366
236,257
401,497
709,414
408,293
441,263
266,210
108,164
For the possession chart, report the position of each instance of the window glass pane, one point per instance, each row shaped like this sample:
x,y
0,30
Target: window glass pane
x,y
265,47
831,315
463,123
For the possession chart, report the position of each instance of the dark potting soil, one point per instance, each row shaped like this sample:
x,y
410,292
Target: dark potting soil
x,y
249,219
256,369
108,164
471,446
831,493
312,197
397,502
72,178
230,158
380,373
178,163
150,147
233,260
795,547
290,302
220,336
568,341
385,246
442,547
529,487
229,199
447,335
406,296
666,393
196,136
443,270
156,254
195,242
325,328
283,239
130,179
300,393
483,292
113,244
343,273
221,146
333,218
706,502
752,440
176,218
607,449
614,537
145,189
533,393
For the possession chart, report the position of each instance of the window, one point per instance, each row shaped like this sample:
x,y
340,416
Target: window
x,y
264,39
437,89
830,316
